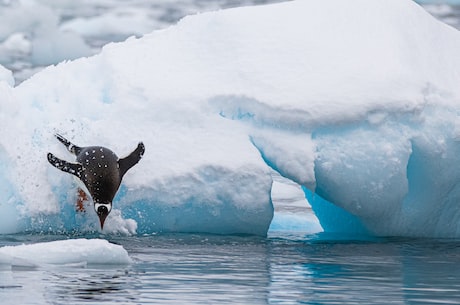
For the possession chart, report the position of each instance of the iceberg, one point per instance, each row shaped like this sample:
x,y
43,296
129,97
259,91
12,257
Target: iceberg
x,y
31,31
357,102
74,252
6,76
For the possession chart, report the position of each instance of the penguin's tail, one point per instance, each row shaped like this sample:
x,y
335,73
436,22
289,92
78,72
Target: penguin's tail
x,y
70,146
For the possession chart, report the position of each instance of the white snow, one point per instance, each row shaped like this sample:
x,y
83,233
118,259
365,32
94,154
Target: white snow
x,y
6,77
64,252
36,33
356,101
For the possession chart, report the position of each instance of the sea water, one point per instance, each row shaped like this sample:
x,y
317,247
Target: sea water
x,y
283,268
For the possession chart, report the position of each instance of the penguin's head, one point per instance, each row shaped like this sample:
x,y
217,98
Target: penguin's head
x,y
102,211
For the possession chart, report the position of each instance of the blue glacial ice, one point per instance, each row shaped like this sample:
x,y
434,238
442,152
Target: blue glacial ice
x,y
362,112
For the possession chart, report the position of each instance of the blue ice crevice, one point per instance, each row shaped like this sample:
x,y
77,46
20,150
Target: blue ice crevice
x,y
383,174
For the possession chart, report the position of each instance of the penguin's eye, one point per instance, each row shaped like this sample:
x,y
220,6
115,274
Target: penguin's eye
x,y
102,208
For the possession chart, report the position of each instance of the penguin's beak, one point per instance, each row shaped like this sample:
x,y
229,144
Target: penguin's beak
x,y
102,220
102,211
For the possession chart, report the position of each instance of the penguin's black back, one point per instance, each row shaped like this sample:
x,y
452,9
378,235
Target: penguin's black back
x,y
100,172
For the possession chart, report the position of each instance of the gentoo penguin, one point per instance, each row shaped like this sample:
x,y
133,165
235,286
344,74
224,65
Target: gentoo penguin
x,y
100,170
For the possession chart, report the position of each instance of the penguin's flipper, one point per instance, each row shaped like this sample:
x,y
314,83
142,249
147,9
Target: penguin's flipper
x,y
70,146
126,163
71,168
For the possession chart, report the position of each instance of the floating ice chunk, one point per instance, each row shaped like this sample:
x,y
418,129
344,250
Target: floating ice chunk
x,y
64,252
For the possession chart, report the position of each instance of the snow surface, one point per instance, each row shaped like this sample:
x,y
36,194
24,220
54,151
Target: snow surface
x,y
6,76
36,33
81,252
357,102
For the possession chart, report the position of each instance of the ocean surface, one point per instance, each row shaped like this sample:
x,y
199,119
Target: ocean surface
x,y
292,265
284,268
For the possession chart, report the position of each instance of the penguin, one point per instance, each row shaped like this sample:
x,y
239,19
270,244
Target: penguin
x,y
100,170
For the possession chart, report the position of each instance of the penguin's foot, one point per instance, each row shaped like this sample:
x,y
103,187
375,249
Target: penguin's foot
x,y
81,199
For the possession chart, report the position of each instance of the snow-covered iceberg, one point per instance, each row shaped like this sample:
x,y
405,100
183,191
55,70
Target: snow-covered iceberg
x,y
356,101
81,252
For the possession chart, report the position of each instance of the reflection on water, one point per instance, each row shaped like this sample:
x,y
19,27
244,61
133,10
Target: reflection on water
x,y
203,269
90,286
